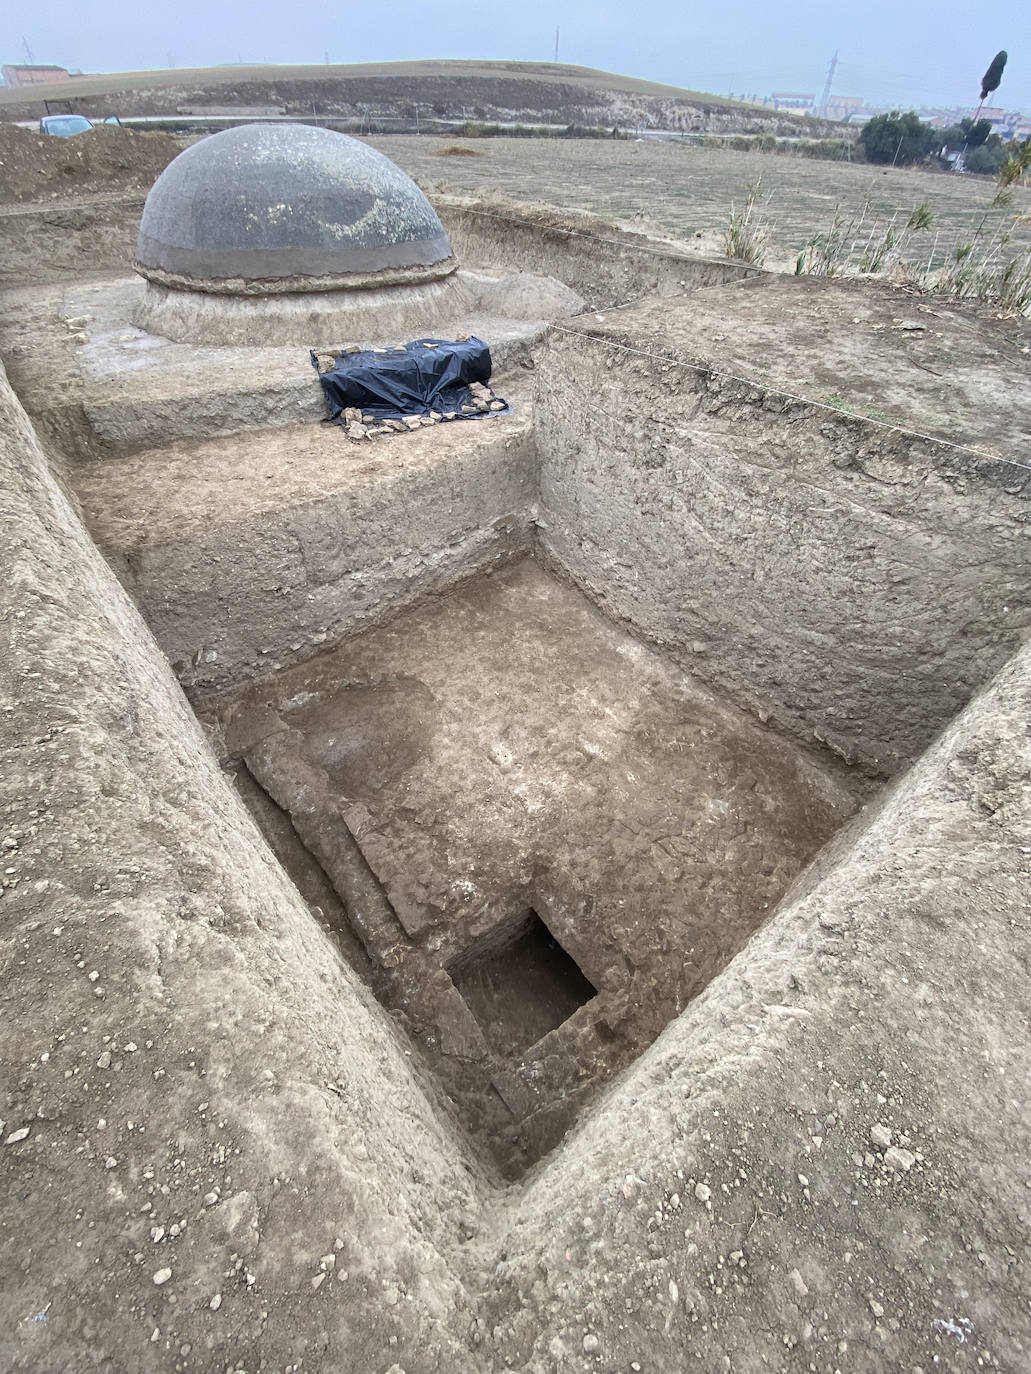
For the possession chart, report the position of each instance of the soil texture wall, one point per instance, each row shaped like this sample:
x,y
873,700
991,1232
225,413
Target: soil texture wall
x,y
214,1138
849,581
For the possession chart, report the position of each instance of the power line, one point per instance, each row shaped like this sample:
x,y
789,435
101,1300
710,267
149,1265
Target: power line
x,y
825,98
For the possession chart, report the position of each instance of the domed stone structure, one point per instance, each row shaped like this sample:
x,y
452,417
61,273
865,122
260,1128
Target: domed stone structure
x,y
285,233
274,208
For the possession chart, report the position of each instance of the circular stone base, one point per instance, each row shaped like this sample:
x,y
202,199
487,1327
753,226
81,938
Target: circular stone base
x,y
299,283
312,318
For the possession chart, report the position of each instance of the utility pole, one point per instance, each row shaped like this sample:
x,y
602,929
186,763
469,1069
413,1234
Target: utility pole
x,y
32,61
556,42
825,98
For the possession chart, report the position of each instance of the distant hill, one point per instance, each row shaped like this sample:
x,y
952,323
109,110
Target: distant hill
x,y
495,92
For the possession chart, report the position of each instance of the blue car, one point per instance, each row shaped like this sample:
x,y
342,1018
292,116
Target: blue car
x,y
64,126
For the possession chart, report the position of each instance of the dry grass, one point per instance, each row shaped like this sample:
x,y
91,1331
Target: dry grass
x,y
684,191
548,73
747,232
454,150
985,267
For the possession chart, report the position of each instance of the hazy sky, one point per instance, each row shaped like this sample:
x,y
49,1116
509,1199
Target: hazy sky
x,y
889,52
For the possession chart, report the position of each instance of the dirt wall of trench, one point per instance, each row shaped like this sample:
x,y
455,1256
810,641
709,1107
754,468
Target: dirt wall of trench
x,y
822,1162
606,265
850,582
237,598
200,1103
214,1139
69,241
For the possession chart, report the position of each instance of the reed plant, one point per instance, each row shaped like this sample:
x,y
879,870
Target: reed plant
x,y
747,233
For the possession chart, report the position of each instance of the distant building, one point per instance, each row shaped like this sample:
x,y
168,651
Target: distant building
x,y
1008,124
791,100
842,107
18,75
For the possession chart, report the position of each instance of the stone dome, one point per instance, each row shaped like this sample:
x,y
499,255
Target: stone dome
x,y
269,208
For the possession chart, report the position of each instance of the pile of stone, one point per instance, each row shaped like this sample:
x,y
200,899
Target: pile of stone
x,y
358,424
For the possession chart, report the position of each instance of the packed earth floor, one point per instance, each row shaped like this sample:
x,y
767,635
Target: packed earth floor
x,y
507,753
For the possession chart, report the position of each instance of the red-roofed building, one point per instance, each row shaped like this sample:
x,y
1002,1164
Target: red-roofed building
x,y
24,75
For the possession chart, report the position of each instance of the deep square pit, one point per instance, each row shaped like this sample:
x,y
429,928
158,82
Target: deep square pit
x,y
546,838
520,984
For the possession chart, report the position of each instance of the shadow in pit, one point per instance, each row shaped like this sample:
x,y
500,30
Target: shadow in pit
x,y
511,1026
520,983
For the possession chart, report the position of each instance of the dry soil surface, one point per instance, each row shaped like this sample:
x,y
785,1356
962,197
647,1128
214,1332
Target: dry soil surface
x,y
37,166
686,191
218,1155
508,750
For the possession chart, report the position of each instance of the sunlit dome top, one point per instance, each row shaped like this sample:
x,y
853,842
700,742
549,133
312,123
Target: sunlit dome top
x,y
287,207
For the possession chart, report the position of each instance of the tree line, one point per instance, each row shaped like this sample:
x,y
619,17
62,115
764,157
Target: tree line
x,y
903,139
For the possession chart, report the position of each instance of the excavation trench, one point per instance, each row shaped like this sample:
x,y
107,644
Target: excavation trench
x,y
545,718
545,715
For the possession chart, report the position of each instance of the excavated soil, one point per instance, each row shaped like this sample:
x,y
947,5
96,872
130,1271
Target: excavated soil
x,y
37,166
386,92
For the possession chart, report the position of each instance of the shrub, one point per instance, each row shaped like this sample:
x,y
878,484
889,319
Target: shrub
x,y
988,160
899,139
455,150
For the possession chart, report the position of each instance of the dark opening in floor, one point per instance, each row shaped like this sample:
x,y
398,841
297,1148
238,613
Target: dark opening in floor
x,y
521,985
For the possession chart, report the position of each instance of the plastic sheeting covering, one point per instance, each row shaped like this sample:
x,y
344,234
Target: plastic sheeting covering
x,y
428,374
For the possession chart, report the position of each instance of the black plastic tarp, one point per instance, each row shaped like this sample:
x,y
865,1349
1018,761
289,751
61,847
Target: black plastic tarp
x,y
431,374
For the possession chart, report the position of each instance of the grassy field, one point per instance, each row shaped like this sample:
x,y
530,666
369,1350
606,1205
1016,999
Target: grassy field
x,y
680,189
551,73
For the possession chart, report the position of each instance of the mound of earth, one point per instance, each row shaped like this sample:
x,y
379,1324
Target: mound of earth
x,y
505,92
37,166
